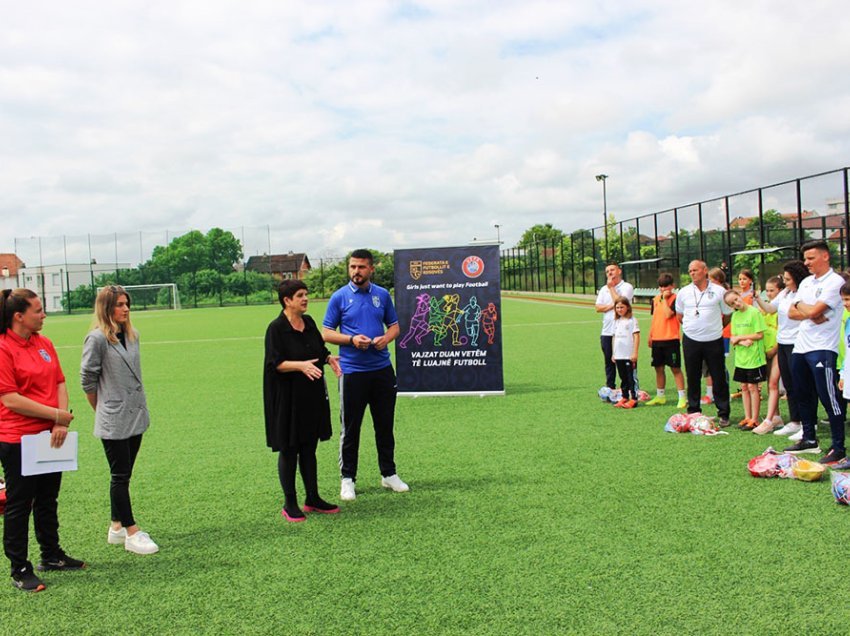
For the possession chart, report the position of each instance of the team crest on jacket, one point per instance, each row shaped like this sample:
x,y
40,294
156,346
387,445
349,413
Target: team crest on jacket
x,y
376,301
472,266
44,355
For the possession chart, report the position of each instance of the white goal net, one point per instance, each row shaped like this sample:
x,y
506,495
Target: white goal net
x,y
161,296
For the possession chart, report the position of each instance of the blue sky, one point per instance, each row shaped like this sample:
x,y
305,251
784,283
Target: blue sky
x,y
401,124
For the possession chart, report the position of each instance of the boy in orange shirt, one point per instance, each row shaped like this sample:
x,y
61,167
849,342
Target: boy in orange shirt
x,y
664,334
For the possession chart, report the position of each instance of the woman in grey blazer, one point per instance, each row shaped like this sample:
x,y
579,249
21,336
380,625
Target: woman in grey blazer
x,y
111,375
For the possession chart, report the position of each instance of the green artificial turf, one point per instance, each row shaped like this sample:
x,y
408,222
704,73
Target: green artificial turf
x,y
541,512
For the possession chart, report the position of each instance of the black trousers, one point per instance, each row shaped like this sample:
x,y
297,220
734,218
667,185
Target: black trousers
x,y
38,494
607,343
695,352
377,390
627,379
121,455
303,456
784,356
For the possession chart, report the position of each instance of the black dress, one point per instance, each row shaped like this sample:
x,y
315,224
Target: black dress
x,y
296,408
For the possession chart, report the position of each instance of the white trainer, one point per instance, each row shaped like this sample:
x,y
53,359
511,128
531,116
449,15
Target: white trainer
x,y
140,543
116,537
797,437
346,490
789,429
395,483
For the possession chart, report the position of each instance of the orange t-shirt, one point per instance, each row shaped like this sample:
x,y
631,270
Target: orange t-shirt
x,y
662,327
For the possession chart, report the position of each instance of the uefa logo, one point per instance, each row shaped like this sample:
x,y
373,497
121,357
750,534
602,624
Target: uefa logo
x,y
472,266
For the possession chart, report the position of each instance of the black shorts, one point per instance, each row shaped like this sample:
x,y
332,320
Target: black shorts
x,y
666,353
750,376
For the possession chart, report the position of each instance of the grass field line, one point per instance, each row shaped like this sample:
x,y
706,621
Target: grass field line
x,y
552,324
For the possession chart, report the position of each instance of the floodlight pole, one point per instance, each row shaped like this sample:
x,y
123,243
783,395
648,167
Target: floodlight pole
x,y
603,178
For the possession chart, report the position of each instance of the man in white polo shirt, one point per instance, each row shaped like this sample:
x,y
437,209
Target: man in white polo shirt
x,y
615,288
818,308
703,313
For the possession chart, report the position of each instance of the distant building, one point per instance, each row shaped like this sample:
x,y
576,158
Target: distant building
x,y
53,282
281,266
10,264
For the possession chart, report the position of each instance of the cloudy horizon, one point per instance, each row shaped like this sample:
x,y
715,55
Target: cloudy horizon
x,y
404,124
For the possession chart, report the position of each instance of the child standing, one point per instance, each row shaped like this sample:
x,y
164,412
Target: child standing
x,y
750,362
772,288
845,368
625,346
664,334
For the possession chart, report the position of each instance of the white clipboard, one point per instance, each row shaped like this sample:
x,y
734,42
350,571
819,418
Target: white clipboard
x,y
38,458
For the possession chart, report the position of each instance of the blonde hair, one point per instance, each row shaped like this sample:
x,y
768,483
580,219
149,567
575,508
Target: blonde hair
x,y
104,307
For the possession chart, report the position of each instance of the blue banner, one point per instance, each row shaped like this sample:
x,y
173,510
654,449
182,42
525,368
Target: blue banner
x,y
448,301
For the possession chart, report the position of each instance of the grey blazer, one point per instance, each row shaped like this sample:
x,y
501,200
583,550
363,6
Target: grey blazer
x,y
115,374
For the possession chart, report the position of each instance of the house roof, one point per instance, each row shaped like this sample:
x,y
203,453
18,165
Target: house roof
x,y
276,263
12,262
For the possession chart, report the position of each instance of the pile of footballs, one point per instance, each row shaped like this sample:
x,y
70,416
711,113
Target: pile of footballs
x,y
694,423
613,396
772,463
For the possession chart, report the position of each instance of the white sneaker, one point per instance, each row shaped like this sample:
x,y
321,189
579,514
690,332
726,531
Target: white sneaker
x,y
140,543
394,482
346,490
116,537
789,429
796,437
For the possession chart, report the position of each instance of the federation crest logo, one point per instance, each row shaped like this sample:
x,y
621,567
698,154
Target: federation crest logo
x,y
376,301
415,269
44,355
472,266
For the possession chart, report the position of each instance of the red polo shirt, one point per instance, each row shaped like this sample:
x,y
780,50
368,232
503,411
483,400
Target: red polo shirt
x,y
31,368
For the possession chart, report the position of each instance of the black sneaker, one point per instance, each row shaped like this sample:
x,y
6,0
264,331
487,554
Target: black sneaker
x,y
63,563
24,579
293,514
723,422
320,505
832,457
803,446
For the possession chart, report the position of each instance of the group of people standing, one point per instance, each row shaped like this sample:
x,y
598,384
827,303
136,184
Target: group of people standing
x,y
794,336
34,399
360,318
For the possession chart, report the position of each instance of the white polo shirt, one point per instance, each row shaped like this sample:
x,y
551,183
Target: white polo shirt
x,y
604,298
813,290
702,311
786,328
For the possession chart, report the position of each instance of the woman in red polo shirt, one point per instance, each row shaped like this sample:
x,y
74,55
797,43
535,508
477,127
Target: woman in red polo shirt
x,y
33,398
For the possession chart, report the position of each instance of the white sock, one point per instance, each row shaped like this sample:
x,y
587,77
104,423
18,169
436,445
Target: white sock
x,y
659,392
682,393
709,391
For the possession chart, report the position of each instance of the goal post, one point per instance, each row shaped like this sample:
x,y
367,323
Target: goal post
x,y
155,296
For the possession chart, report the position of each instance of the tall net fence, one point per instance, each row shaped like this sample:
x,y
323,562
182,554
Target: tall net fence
x,y
758,229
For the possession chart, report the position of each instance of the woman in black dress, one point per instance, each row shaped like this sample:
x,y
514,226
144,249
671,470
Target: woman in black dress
x,y
296,398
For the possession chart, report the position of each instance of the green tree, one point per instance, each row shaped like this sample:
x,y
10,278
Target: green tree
x,y
541,233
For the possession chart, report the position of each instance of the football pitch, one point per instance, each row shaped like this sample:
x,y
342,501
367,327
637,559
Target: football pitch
x,y
544,511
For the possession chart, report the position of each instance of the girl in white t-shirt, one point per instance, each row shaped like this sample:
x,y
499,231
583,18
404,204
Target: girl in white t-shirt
x,y
626,344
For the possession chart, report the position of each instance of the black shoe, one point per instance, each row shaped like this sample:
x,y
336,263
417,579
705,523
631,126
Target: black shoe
x,y
293,514
63,563
723,422
320,505
832,457
24,579
803,446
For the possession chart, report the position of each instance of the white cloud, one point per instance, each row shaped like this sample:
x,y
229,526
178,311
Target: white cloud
x,y
392,125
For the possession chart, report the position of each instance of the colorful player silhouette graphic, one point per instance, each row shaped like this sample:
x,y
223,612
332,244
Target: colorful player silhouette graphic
x,y
452,315
488,320
435,321
419,322
472,320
